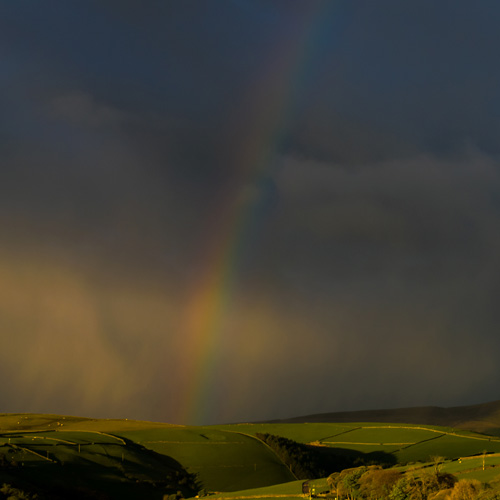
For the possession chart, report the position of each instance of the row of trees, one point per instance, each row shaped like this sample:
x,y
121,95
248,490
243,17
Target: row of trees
x,y
307,462
369,481
302,461
374,483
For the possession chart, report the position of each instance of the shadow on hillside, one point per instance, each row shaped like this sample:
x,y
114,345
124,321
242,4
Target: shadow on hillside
x,y
104,471
337,459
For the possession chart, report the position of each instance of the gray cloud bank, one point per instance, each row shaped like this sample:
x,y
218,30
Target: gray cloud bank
x,y
372,277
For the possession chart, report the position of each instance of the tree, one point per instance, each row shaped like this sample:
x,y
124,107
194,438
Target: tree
x,y
422,487
466,489
11,493
349,482
437,460
332,481
378,483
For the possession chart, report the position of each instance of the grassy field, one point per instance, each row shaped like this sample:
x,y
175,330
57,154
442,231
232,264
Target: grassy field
x,y
224,460
71,457
132,459
408,443
483,418
290,490
302,433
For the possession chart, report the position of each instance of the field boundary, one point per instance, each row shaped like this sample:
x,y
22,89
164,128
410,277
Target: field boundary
x,y
269,448
456,434
96,432
281,495
210,443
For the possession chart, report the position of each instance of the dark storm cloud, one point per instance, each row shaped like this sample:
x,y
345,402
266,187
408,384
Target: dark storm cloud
x,y
380,283
398,78
422,74
122,129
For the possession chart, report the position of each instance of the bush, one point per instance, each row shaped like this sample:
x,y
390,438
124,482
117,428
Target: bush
x,y
466,489
11,493
378,483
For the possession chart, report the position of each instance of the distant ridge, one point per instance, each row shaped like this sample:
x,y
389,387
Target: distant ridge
x,y
483,417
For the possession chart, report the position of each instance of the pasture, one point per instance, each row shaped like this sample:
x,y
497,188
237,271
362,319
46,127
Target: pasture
x,y
66,462
223,460
406,442
133,459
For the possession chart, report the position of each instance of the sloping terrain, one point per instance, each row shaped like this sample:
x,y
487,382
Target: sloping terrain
x,y
40,454
224,460
479,418
130,459
71,457
383,443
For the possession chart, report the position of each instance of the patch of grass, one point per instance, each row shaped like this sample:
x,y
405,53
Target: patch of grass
x,y
302,433
94,464
224,461
448,446
484,476
385,436
409,443
133,459
292,488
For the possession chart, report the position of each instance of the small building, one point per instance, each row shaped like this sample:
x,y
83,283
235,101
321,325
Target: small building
x,y
305,488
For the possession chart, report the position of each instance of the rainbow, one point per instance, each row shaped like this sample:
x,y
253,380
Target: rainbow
x,y
271,100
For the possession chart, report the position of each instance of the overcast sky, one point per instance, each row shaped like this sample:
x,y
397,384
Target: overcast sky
x,y
328,172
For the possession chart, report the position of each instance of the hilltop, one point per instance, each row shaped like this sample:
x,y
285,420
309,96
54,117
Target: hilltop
x,y
483,417
59,457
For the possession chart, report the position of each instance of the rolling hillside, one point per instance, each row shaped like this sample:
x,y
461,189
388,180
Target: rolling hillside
x,y
59,457
478,418
71,457
380,442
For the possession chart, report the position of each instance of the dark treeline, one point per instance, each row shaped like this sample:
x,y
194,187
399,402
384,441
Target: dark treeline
x,y
308,462
299,458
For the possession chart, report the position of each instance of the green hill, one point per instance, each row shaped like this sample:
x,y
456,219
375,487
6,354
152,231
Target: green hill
x,y
60,457
479,418
358,440
130,459
224,460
